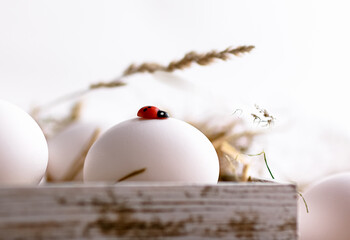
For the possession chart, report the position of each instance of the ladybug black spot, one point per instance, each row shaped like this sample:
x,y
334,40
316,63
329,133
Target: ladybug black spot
x,y
162,114
145,109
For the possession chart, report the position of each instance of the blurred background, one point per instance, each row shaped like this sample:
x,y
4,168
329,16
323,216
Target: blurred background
x,y
298,70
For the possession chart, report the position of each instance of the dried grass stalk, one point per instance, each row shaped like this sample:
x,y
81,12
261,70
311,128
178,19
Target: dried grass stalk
x,y
202,59
51,126
263,117
112,84
228,145
132,174
245,173
78,163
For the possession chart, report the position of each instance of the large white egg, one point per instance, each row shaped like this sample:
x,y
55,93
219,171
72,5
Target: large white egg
x,y
23,147
329,204
158,149
68,150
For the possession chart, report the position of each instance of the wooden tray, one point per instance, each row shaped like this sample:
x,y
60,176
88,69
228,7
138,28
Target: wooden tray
x,y
252,210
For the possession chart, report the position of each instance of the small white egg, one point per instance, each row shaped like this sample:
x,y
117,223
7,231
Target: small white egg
x,y
68,150
23,147
329,204
156,149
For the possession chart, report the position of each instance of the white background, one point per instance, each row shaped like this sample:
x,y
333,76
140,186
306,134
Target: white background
x,y
298,71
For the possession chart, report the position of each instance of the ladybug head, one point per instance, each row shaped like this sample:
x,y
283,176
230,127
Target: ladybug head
x,y
162,114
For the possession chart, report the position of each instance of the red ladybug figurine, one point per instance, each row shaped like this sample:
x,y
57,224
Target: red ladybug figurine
x,y
150,112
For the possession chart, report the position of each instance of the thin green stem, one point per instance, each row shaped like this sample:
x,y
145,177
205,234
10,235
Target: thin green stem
x,y
263,153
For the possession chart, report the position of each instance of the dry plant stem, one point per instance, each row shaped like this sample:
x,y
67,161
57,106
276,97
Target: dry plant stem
x,y
75,112
78,163
62,99
132,174
229,147
112,84
264,118
302,197
244,176
186,62
59,124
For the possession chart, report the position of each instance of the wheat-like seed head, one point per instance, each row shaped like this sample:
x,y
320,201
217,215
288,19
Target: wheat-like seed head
x,y
202,59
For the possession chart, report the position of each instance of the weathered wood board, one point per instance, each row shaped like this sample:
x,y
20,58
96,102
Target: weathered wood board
x,y
149,211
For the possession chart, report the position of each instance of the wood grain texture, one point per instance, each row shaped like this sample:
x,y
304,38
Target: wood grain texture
x,y
244,211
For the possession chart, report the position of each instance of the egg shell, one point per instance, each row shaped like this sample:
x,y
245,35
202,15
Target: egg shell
x,y
67,149
329,204
168,150
23,147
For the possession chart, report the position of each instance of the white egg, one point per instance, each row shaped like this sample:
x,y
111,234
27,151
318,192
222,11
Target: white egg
x,y
329,204
158,149
68,150
23,147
